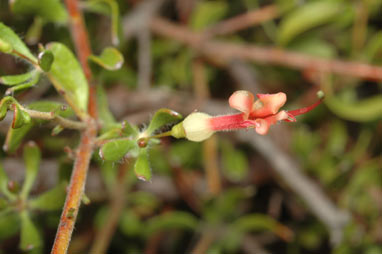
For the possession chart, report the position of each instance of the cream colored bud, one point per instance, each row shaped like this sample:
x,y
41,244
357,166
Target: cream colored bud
x,y
197,127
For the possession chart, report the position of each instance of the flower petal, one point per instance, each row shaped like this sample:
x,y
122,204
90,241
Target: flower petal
x,y
263,124
242,100
268,104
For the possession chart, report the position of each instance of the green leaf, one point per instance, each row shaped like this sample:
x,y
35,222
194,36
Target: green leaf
x,y
161,118
9,225
373,48
144,203
33,35
29,83
118,131
52,106
4,183
115,150
257,222
337,139
130,224
49,10
50,200
98,6
5,47
8,36
171,220
207,13
30,238
142,166
110,59
5,105
68,77
12,80
45,60
308,16
15,137
314,46
20,117
235,163
366,110
105,116
32,158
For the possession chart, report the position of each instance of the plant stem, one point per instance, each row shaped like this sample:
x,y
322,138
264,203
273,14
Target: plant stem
x,y
75,191
85,150
66,123
26,58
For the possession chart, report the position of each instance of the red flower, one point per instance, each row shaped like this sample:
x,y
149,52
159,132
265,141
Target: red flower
x,y
259,115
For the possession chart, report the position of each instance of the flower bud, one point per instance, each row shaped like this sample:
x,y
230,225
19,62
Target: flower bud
x,y
197,127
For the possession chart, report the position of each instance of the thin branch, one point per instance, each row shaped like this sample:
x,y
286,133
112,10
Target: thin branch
x,y
144,58
86,146
243,21
81,42
26,58
79,34
228,51
66,123
75,191
117,203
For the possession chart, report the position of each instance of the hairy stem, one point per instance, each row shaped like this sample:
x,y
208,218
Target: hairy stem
x,y
75,191
65,123
85,150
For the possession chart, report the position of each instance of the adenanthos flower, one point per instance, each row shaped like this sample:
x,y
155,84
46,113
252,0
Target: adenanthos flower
x,y
259,115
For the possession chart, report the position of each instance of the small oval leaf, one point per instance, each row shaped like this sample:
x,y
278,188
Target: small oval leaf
x,y
68,77
171,220
10,37
49,10
308,16
12,80
4,183
115,150
20,117
369,109
161,118
30,238
5,104
142,166
45,60
32,157
29,83
110,59
15,137
50,200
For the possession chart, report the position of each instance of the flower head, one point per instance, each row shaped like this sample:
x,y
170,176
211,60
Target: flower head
x,y
259,115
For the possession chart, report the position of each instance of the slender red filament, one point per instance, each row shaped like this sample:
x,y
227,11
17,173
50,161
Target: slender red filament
x,y
304,110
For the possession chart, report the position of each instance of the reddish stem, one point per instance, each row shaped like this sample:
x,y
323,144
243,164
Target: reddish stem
x,y
86,146
75,191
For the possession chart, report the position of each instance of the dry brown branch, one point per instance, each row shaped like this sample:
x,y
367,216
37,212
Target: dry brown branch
x,y
264,55
243,21
144,58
